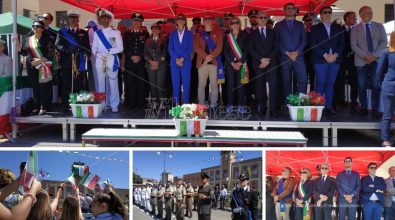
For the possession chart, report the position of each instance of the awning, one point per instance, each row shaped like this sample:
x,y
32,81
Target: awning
x,y
195,8
23,27
296,160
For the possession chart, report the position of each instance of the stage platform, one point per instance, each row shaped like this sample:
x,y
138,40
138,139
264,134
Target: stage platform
x,y
330,126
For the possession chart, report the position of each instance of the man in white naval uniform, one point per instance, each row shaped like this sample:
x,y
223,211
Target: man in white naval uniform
x,y
148,198
139,196
143,197
106,45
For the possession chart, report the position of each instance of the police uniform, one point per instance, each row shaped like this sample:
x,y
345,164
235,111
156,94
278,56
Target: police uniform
x,y
67,52
204,204
179,195
252,13
189,201
107,61
159,198
168,201
244,202
135,76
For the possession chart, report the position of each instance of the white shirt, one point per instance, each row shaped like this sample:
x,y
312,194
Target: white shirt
x,y
324,177
373,196
224,192
370,26
5,65
328,28
180,35
115,39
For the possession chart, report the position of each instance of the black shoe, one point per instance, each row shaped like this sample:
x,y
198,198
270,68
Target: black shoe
x,y
330,111
376,114
262,113
363,112
273,114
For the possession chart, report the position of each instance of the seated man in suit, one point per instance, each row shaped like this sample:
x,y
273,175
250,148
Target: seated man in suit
x,y
348,187
323,191
282,194
368,39
389,196
372,194
263,50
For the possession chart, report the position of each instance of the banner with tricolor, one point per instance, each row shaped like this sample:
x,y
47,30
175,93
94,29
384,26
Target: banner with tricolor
x,y
305,113
80,170
86,110
190,127
90,180
23,93
30,172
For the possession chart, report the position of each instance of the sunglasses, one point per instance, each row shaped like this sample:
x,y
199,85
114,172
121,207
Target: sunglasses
x,y
327,12
235,22
308,20
207,19
324,168
37,26
303,172
181,19
348,161
373,168
263,18
46,18
290,8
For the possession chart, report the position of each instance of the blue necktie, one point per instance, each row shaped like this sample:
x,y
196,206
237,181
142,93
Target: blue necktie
x,y
369,38
263,35
290,24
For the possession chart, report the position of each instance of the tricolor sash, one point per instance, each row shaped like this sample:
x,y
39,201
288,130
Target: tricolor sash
x,y
44,68
244,72
220,67
108,46
306,207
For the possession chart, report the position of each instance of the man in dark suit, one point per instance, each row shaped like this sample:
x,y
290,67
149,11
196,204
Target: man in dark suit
x,y
263,49
372,194
206,194
292,41
327,41
244,202
323,191
70,43
348,187
347,67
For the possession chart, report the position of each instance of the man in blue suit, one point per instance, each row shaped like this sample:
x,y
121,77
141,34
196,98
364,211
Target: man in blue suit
x,y
372,194
292,41
327,41
348,187
180,50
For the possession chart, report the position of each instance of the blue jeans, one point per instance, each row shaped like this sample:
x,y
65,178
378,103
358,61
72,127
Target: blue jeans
x,y
365,74
326,74
372,210
389,212
388,110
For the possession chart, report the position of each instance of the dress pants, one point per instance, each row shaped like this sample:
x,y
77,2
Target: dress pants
x,y
365,73
326,74
347,209
278,213
157,82
135,84
324,212
78,86
389,212
179,74
208,71
287,65
234,86
105,71
262,76
347,73
372,210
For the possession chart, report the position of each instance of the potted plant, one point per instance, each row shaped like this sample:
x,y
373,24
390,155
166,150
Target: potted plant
x,y
189,119
304,107
86,104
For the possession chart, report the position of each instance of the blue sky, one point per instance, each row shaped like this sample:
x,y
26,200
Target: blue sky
x,y
148,164
58,164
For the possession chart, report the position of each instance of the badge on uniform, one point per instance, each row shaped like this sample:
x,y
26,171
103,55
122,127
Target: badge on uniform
x,y
112,41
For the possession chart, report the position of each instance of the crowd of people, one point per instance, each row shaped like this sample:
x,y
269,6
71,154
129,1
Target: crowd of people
x,y
290,56
34,203
182,199
323,197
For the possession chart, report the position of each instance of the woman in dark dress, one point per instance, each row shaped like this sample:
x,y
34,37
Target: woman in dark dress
x,y
236,63
302,195
39,52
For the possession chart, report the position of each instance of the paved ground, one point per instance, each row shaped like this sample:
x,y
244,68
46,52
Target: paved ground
x,y
139,214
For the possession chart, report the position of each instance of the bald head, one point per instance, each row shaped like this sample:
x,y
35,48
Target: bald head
x,y
366,13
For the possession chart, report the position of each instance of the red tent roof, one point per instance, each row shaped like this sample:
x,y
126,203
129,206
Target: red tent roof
x,y
277,160
194,8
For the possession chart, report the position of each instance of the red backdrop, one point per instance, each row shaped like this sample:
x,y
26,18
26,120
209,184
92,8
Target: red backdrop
x,y
193,8
276,160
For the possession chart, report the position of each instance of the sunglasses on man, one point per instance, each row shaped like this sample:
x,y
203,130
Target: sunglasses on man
x,y
235,22
263,18
324,168
303,172
181,19
327,12
207,19
373,168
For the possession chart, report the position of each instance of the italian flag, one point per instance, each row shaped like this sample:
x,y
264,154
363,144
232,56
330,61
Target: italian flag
x,y
23,92
30,171
72,181
80,170
90,180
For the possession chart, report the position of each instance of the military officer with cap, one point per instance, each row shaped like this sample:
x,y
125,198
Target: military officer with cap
x,y
154,201
93,27
72,43
244,202
179,195
135,77
159,199
107,44
206,194
253,19
169,191
227,17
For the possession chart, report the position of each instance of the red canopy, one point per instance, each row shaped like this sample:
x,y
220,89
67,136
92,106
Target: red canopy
x,y
195,8
277,160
